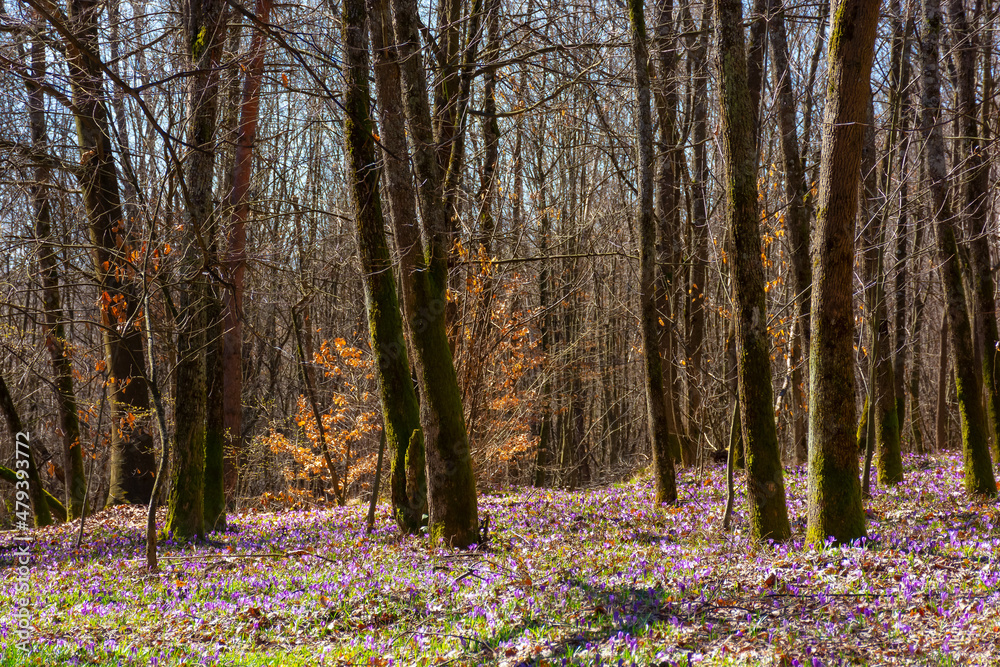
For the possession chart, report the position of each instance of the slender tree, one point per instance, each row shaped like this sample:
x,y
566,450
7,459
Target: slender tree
x,y
974,195
768,512
55,329
656,404
979,478
400,411
132,460
451,485
204,30
796,219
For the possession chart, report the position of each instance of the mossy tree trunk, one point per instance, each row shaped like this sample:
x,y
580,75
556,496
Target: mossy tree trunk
x,y
835,509
55,330
974,198
400,410
979,478
132,459
408,473
656,403
451,485
204,33
766,493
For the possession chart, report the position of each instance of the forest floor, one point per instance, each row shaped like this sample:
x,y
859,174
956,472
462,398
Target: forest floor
x,y
598,576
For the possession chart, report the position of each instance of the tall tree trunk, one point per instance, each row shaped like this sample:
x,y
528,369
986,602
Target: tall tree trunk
x,y
881,423
979,478
667,214
975,206
234,266
900,346
796,221
451,485
408,476
491,134
699,219
55,330
835,508
766,492
400,410
132,458
204,30
656,404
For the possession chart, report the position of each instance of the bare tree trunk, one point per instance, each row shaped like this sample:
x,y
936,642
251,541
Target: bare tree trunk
x,y
796,222
766,492
699,220
204,28
400,410
668,216
975,195
451,485
132,459
656,404
55,330
835,508
979,478
238,205
941,405
41,505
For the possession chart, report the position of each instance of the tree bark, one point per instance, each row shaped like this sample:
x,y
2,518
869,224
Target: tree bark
x,y
835,509
656,405
974,196
55,330
766,492
40,505
941,403
451,485
979,478
132,458
204,31
408,478
796,221
400,410
698,56
234,266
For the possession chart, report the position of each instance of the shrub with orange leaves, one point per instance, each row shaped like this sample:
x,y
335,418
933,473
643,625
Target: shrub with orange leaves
x,y
496,360
353,414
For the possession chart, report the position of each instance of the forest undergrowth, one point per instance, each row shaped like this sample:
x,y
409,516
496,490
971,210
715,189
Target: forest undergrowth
x,y
597,576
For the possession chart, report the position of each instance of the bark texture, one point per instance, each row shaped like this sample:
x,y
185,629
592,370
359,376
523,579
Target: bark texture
x,y
835,509
451,486
204,30
656,405
55,330
400,410
132,459
974,195
796,220
979,478
766,493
